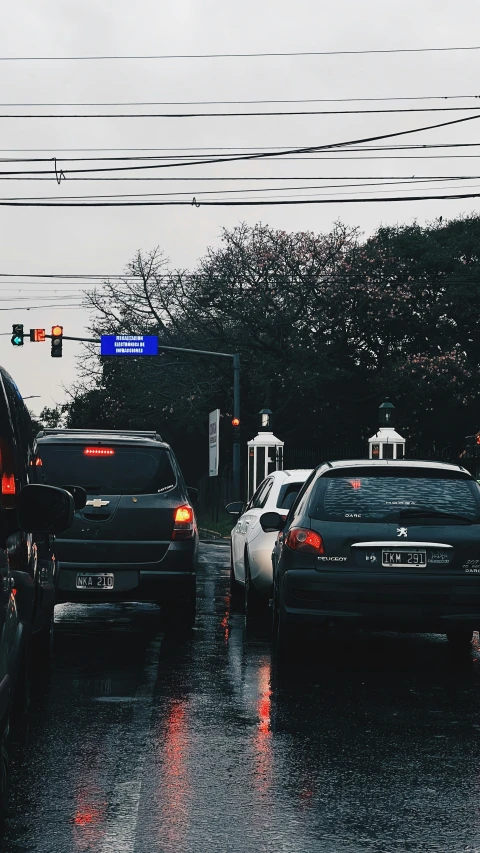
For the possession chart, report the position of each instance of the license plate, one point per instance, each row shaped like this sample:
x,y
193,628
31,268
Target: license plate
x,y
94,581
404,559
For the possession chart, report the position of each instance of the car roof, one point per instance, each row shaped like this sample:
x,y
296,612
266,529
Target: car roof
x,y
392,463
294,473
80,436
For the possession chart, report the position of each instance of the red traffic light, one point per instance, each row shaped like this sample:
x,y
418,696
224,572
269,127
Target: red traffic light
x,y
37,335
57,331
477,438
235,422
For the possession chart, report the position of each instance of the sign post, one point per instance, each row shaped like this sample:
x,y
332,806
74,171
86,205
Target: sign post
x,y
213,442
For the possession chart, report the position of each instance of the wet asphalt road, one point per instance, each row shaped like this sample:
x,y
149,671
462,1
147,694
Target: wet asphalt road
x,y
147,743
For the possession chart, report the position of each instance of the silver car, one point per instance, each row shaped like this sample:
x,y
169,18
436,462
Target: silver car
x,y
251,547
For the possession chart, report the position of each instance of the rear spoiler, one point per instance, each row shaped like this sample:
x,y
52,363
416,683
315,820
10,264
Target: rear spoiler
x,y
101,433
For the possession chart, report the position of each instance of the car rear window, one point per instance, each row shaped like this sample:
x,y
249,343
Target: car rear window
x,y
127,471
390,494
287,495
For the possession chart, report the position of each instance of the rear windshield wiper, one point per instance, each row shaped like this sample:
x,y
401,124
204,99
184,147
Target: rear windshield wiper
x,y
434,513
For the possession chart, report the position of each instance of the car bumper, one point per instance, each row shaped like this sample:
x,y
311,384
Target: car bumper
x,y
172,577
396,602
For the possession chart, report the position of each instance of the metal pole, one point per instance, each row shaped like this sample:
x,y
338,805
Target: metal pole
x,y
236,431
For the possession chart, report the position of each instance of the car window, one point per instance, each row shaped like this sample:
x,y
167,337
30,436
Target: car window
x,y
300,496
390,494
261,496
287,495
125,471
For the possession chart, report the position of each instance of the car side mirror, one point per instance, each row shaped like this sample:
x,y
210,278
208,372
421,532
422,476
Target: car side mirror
x,y
235,508
44,509
271,521
193,494
79,496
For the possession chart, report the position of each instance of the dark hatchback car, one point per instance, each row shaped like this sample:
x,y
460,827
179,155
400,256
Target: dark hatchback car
x,y
137,538
379,545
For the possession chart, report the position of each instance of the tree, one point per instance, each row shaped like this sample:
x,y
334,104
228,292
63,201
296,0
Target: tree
x,y
326,326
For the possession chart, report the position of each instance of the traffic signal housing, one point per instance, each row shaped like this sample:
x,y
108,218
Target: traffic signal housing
x,y
236,428
37,335
17,334
57,341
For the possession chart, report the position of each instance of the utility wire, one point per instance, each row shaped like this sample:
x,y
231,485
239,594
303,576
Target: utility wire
x,y
260,101
262,155
230,203
240,55
257,114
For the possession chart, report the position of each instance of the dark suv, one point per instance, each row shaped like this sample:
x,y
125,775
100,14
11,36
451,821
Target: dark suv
x,y
137,537
380,544
30,515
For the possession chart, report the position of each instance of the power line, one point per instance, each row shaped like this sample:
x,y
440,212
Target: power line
x,y
261,155
259,101
231,203
240,55
257,114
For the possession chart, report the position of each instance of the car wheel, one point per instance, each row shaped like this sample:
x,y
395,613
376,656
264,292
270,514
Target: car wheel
x,y
42,643
237,595
23,687
4,770
283,635
256,604
180,613
460,639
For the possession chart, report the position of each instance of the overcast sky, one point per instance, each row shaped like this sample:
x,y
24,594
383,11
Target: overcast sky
x,y
101,241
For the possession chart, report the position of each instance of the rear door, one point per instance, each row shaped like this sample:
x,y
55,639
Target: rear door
x,y
132,493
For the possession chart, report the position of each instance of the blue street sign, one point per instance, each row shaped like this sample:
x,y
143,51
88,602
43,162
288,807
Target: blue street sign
x,y
128,345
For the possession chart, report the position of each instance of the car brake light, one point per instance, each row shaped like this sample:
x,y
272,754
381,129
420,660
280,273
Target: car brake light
x,y
98,451
8,484
183,522
183,513
38,462
304,540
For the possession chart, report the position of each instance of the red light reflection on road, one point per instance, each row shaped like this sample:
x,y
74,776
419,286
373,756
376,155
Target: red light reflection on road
x,y
173,783
89,820
262,740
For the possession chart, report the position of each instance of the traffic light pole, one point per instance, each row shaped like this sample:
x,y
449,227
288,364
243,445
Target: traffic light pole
x,y
236,394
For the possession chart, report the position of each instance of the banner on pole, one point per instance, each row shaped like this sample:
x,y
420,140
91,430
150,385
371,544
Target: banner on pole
x,y
213,442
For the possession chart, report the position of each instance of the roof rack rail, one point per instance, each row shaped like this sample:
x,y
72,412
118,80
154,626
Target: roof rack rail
x,y
59,431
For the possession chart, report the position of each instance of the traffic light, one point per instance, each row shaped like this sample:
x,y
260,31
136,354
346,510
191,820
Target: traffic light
x,y
236,428
37,335
57,335
17,336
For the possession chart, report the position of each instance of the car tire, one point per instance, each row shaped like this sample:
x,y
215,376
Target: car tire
x,y
180,613
42,642
23,687
4,770
283,636
237,594
256,604
460,639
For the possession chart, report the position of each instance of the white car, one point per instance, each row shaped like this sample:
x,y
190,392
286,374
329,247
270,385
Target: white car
x,y
251,548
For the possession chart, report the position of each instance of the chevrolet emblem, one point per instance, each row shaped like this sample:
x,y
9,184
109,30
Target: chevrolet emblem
x,y
97,503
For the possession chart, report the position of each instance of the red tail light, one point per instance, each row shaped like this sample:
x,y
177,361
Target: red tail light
x,y
8,484
183,522
98,451
304,540
183,514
